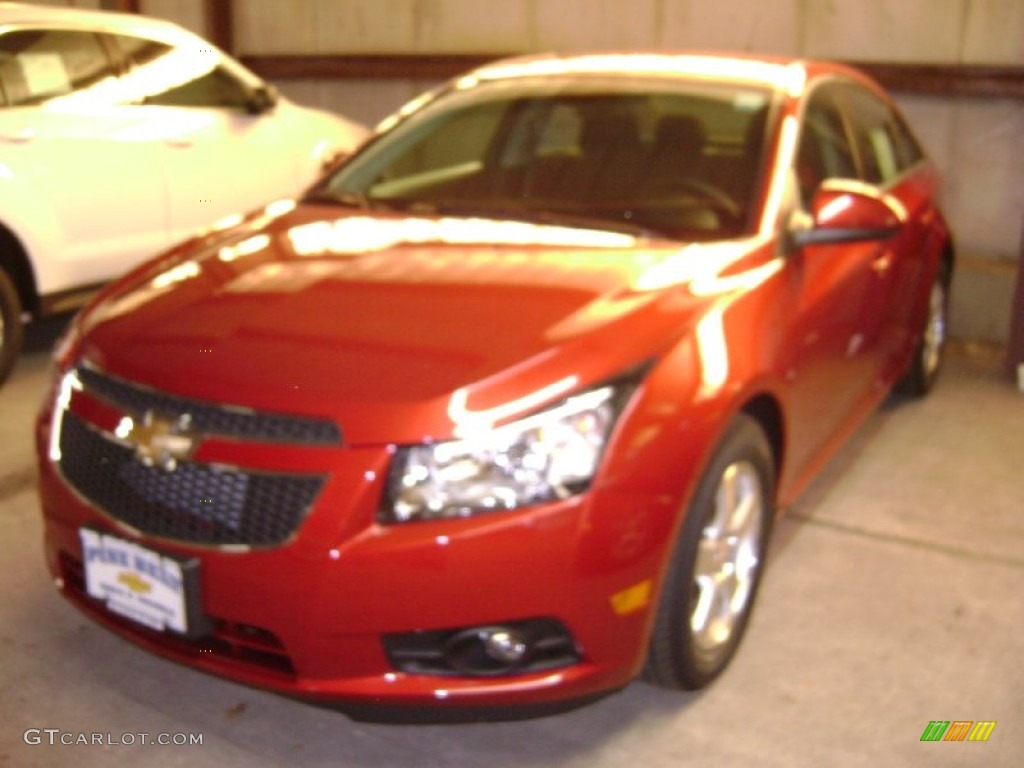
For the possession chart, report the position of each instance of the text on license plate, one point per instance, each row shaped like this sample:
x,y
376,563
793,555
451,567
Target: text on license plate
x,y
135,582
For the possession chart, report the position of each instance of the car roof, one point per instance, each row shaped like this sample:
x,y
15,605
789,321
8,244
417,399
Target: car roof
x,y
789,75
18,14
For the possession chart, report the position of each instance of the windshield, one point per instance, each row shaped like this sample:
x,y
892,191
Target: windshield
x,y
671,158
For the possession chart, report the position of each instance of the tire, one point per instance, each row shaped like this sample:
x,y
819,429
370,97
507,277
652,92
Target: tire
x,y
11,330
712,580
924,368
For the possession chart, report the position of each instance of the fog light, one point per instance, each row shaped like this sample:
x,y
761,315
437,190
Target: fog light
x,y
486,650
504,646
510,648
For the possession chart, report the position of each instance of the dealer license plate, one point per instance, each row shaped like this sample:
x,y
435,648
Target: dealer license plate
x,y
147,587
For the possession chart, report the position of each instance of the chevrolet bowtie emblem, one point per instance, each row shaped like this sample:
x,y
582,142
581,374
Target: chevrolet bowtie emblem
x,y
134,582
158,441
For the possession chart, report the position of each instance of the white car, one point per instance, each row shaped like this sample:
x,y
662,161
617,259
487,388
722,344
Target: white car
x,y
120,135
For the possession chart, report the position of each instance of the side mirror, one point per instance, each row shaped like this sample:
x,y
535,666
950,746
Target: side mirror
x,y
846,211
261,99
332,161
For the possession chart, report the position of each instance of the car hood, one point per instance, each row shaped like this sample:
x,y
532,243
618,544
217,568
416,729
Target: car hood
x,y
393,325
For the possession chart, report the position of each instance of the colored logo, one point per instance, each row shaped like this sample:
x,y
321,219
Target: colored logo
x,y
134,582
958,730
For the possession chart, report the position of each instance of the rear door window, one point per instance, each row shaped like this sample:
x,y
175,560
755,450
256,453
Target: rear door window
x,y
37,66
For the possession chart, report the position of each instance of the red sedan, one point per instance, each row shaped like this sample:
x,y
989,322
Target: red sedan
x,y
499,416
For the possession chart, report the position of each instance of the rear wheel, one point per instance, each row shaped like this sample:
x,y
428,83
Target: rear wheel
x,y
712,581
924,369
11,330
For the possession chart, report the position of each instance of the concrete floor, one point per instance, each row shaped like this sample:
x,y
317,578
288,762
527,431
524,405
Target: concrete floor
x,y
892,598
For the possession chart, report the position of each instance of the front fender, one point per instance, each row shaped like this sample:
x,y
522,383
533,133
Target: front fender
x,y
37,230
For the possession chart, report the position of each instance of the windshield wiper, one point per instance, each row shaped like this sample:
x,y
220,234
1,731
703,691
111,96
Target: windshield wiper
x,y
490,209
346,199
360,200
587,220
580,219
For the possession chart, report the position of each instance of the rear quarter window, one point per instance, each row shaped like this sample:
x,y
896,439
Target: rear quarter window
x,y
163,75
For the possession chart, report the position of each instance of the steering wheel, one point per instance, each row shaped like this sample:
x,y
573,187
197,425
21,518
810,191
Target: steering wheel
x,y
718,197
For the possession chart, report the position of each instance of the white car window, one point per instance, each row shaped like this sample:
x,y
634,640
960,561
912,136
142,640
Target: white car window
x,y
37,66
165,76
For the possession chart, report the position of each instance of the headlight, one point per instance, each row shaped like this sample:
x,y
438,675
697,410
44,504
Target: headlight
x,y
551,454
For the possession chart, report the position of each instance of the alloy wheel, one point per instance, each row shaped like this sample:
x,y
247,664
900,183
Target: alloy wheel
x,y
934,330
728,557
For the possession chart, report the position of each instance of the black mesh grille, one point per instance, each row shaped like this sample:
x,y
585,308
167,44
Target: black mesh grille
x,y
195,503
211,418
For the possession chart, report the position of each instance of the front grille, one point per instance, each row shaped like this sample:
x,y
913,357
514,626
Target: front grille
x,y
198,503
212,418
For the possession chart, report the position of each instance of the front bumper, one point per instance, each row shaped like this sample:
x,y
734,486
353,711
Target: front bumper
x,y
309,618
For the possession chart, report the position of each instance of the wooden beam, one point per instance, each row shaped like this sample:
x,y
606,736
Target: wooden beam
x,y
386,66
929,79
220,23
969,80
124,6
1015,347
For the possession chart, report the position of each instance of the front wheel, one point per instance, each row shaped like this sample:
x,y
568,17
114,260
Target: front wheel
x,y
11,329
716,566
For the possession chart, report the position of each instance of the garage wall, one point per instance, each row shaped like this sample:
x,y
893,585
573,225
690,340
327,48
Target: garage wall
x,y
975,141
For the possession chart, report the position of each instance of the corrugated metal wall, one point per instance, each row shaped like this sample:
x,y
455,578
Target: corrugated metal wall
x,y
976,141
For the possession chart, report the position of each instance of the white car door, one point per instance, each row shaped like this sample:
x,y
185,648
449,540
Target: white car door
x,y
223,161
79,178
222,151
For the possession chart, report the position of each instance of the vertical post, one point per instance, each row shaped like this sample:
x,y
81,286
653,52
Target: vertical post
x,y
1015,348
220,24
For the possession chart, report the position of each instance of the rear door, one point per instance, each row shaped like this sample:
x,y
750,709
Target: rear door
x,y
87,178
891,160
